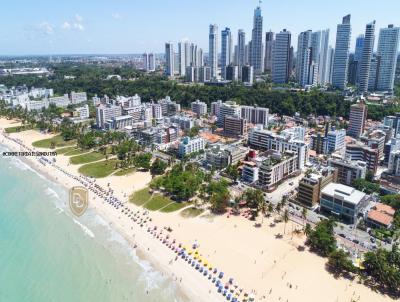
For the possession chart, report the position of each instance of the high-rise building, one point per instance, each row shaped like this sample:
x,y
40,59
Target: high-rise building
x,y
151,62
193,55
331,57
315,45
256,52
341,58
200,108
247,74
323,62
358,117
232,73
200,58
255,115
182,58
226,50
269,47
281,57
366,57
304,55
169,59
388,46
145,61
213,50
227,109
241,48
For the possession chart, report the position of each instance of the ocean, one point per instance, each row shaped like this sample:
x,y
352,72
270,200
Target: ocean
x,y
47,254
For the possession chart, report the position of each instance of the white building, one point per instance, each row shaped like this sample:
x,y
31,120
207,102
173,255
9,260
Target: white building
x,y
341,56
228,108
188,146
255,115
200,108
267,140
105,113
78,97
60,101
388,47
335,140
215,107
83,112
213,50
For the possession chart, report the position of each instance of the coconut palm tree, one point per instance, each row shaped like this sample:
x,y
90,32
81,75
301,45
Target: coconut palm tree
x,y
262,207
285,217
304,215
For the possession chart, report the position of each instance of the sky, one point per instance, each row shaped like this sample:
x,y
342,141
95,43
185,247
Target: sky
x,y
38,27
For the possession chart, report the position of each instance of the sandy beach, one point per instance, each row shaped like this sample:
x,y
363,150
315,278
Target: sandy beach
x,y
272,267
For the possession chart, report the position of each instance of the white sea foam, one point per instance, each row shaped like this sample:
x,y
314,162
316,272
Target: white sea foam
x,y
84,228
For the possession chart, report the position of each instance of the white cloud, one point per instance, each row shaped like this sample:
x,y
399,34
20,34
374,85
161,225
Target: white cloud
x,y
79,27
46,28
78,18
66,25
116,16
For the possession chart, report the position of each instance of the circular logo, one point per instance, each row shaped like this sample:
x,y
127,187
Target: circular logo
x,y
78,200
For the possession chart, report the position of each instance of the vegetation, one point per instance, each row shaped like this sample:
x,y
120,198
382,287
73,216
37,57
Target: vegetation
x,y
91,78
157,202
124,172
174,206
86,158
366,186
140,197
322,239
218,195
99,169
182,182
383,268
158,167
340,263
191,212
56,141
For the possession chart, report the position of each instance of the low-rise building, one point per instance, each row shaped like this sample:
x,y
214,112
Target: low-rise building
x,y
190,145
200,108
310,186
342,201
380,216
276,168
235,126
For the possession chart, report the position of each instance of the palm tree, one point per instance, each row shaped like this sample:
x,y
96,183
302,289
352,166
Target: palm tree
x,y
304,215
307,229
285,218
270,209
262,207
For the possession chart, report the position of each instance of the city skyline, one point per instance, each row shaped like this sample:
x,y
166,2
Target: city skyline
x,y
120,27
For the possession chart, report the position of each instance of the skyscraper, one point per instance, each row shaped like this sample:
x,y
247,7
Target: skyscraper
x,y
388,46
357,56
366,57
182,58
341,58
323,68
256,52
200,58
145,60
151,62
213,50
193,55
304,57
281,57
269,46
169,59
226,50
241,48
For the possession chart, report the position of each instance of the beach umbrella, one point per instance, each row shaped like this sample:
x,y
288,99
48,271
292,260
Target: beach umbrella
x,y
221,275
224,292
219,289
215,270
231,280
228,297
252,297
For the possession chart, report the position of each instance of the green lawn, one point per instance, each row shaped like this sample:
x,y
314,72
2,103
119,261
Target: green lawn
x,y
76,151
86,158
140,197
99,169
157,202
124,172
65,150
58,141
18,129
191,212
174,206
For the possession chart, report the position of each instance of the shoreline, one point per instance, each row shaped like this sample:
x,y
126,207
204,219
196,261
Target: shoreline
x,y
181,276
274,268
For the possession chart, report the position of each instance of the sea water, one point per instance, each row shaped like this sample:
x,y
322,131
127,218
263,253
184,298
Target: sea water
x,y
47,254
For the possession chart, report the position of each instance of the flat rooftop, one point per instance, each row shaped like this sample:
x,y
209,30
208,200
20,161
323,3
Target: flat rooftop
x,y
344,193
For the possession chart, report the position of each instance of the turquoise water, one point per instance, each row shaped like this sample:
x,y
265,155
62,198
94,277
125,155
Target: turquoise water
x,y
48,255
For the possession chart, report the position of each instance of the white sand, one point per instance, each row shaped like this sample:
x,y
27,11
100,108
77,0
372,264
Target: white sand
x,y
252,256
